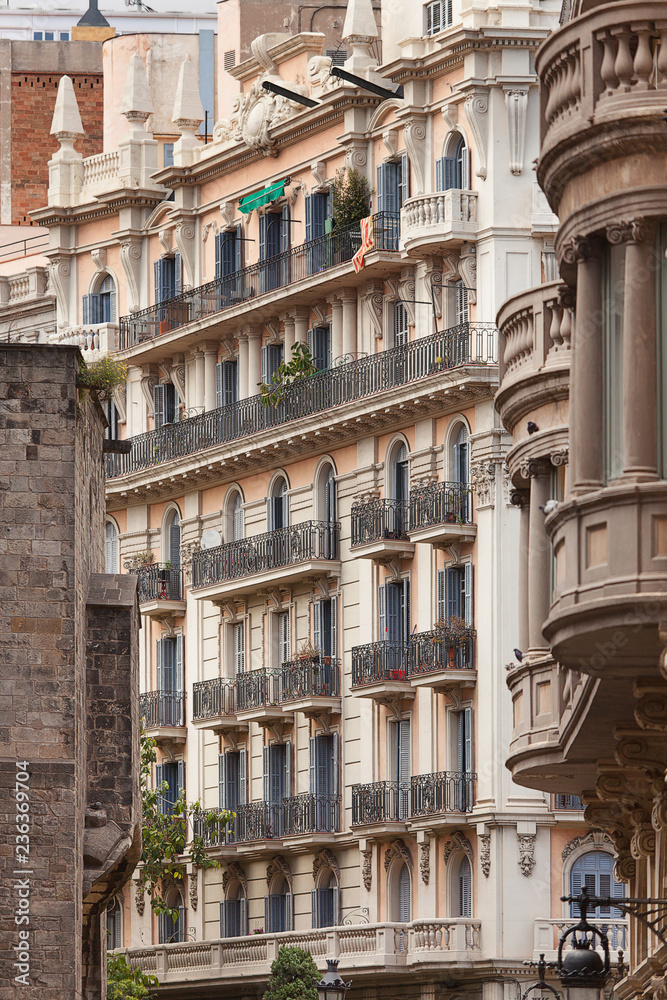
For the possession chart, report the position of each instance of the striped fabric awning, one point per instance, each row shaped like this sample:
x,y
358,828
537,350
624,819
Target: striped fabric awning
x,y
263,196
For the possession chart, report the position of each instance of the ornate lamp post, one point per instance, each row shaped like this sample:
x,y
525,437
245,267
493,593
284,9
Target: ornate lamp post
x,y
331,986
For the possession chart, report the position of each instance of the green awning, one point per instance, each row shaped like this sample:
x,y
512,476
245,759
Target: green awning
x,y
263,196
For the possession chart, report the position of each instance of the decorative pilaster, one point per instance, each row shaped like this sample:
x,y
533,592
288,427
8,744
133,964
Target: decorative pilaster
x,y
517,105
485,853
414,137
526,845
367,869
374,303
483,476
185,241
130,258
425,861
476,108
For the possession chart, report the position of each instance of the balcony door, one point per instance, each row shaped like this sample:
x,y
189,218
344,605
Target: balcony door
x,y
323,757
400,493
173,773
463,759
276,783
594,872
277,508
170,681
394,607
400,738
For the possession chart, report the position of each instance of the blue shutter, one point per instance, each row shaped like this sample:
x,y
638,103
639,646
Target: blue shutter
x,y
157,280
243,916
391,187
285,229
382,616
218,385
465,888
381,175
323,753
175,542
159,778
263,226
317,625
406,611
393,610
467,740
314,908
85,309
309,219
453,590
287,787
160,664
267,915
334,627
442,606
319,214
335,763
404,907
158,405
266,764
447,171
403,177
312,765
218,254
289,911
223,918
180,772
178,673
238,251
226,383
228,253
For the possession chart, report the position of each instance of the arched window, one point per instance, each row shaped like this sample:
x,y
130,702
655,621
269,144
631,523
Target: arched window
x,y
238,529
399,472
114,925
110,548
326,506
324,903
279,907
404,898
99,306
453,169
463,888
171,543
234,913
459,457
594,872
277,507
170,930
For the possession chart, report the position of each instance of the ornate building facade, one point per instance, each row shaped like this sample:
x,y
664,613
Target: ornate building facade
x,y
582,394
328,584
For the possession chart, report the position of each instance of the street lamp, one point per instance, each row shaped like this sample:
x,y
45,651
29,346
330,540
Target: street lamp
x,y
331,986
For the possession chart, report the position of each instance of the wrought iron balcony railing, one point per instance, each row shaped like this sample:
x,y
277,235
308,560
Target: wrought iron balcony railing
x,y
258,821
214,833
283,269
440,650
377,662
317,676
261,553
379,519
469,343
160,582
311,813
213,698
440,503
162,708
257,689
379,802
446,791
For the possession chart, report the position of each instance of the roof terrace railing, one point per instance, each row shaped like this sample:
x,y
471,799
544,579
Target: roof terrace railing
x,y
468,343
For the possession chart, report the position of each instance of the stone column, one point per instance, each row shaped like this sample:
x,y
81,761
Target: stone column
x,y
336,329
539,553
254,360
301,318
349,303
586,367
288,338
210,360
640,417
199,381
520,498
243,366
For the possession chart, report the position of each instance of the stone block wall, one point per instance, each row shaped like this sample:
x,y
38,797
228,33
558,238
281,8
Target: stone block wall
x,y
51,552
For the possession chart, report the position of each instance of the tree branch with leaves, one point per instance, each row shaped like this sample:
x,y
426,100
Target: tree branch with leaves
x,y
301,365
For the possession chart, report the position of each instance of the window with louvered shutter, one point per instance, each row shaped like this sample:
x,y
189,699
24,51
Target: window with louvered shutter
x,y
226,383
222,782
442,604
403,180
462,310
402,765
468,593
283,637
175,540
237,519
238,640
388,181
114,925
594,872
319,345
382,613
464,887
455,591
110,548
400,325
404,895
445,173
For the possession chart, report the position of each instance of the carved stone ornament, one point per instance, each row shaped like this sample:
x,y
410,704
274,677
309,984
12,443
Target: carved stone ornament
x,y
60,269
139,898
484,482
468,271
355,157
397,849
185,241
526,843
193,887
187,551
278,866
559,457
458,842
408,294
374,304
148,381
596,839
530,468
130,257
651,709
476,108
485,853
634,231
120,400
325,859
579,248
254,115
165,238
319,171
234,873
367,870
517,104
228,213
319,76
207,228
390,140
414,137
425,861
519,498
450,114
433,282
99,258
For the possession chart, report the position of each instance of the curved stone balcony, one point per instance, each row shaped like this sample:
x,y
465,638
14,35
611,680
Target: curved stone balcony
x,y
438,221
535,329
610,580
603,83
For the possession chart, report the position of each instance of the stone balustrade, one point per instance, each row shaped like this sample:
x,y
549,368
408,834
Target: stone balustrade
x,y
29,285
101,170
535,330
94,341
547,932
358,947
605,61
443,217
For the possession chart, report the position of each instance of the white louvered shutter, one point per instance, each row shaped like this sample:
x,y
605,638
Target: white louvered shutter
x,y
382,616
222,789
468,593
238,518
283,637
243,776
334,627
442,602
178,672
317,625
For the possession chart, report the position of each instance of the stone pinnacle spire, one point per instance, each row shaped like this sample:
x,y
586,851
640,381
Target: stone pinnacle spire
x,y
360,31
66,119
136,104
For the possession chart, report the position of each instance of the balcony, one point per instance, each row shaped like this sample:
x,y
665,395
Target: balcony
x,y
467,344
567,803
285,556
163,714
214,706
427,796
363,950
380,530
307,815
431,795
441,514
312,816
380,670
433,223
548,931
299,264
312,685
160,590
442,659
258,696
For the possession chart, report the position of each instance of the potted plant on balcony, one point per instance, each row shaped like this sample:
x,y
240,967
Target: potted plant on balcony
x,y
138,561
351,202
454,633
102,376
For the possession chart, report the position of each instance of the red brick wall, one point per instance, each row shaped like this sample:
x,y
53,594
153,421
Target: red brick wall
x,y
33,101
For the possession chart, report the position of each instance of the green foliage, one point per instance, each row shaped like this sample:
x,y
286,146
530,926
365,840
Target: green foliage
x,y
351,198
292,976
126,983
103,376
300,365
165,835
139,560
